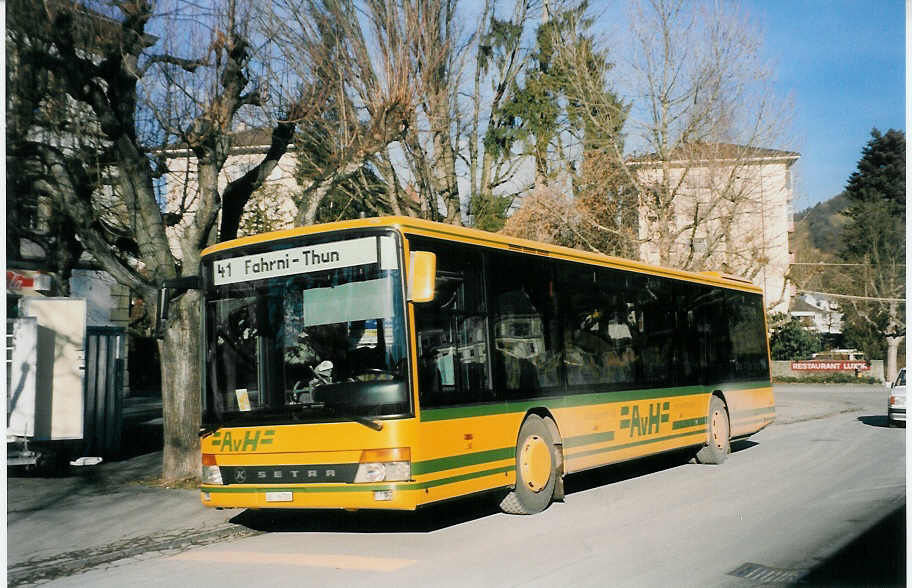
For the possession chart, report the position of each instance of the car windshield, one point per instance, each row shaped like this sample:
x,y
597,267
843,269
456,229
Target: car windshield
x,y
320,344
901,378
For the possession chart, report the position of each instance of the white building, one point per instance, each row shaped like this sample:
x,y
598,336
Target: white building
x,y
274,201
726,208
818,313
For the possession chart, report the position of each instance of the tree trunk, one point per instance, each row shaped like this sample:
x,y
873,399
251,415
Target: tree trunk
x,y
181,380
894,338
892,354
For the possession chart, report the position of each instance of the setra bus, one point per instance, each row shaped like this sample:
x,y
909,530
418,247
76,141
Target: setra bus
x,y
390,363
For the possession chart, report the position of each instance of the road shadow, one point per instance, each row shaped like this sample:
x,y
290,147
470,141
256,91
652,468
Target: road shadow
x,y
424,520
30,492
611,474
453,512
626,470
138,440
742,444
877,420
876,558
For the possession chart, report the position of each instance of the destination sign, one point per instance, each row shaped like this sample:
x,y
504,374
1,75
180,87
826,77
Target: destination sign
x,y
298,260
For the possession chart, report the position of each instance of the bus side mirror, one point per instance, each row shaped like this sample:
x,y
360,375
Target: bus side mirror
x,y
169,290
421,276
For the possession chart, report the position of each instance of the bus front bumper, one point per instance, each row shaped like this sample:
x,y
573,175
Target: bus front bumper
x,y
387,495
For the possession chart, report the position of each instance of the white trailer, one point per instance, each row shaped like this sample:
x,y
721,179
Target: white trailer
x,y
45,387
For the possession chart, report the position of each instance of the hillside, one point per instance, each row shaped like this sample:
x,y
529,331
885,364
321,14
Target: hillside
x,y
822,223
817,236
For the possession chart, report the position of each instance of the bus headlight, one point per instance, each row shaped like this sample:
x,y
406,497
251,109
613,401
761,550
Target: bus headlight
x,y
211,473
393,471
384,465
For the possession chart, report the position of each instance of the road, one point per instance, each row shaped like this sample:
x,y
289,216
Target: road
x,y
788,502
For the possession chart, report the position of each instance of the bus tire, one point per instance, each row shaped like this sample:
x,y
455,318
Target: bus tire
x,y
718,434
536,469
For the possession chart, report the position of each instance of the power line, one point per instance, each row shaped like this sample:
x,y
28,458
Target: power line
x,y
842,264
852,297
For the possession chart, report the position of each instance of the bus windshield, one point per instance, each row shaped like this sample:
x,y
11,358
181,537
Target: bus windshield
x,y
308,342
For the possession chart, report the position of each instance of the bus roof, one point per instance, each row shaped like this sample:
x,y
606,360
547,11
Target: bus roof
x,y
495,240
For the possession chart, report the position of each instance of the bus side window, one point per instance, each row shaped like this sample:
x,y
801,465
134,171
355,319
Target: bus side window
x,y
748,341
712,320
692,333
452,329
655,307
527,357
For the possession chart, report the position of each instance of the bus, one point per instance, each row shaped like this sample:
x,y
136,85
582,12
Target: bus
x,y
390,363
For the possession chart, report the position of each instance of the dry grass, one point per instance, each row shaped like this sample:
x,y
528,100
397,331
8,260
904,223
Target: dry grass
x,y
189,483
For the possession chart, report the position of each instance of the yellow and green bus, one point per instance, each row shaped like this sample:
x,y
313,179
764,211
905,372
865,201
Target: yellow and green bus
x,y
389,363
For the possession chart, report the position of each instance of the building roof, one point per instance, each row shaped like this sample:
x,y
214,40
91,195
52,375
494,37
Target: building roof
x,y
252,137
714,152
246,140
91,29
800,305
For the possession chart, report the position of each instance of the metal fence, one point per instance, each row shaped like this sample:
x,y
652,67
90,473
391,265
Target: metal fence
x,y
104,382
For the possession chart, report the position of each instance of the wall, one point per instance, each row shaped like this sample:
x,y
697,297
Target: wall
x,y
784,369
181,189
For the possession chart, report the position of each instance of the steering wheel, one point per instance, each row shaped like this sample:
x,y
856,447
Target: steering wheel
x,y
299,388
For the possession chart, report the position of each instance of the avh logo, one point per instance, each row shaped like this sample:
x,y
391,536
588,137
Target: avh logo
x,y
251,441
639,424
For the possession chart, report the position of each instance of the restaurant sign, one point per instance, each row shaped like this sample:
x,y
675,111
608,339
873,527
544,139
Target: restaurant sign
x,y
830,366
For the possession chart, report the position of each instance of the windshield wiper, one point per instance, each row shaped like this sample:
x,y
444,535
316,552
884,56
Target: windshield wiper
x,y
362,420
352,417
206,430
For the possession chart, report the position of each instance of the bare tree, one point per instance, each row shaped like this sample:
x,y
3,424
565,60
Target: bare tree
x,y
460,141
363,66
129,98
706,122
546,215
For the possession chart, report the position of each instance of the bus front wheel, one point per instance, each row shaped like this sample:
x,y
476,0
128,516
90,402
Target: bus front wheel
x,y
718,431
536,469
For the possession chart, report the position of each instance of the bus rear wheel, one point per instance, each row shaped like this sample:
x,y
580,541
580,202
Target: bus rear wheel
x,y
536,469
718,432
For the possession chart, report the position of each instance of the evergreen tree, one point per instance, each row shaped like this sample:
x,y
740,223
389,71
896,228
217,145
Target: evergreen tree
x,y
874,237
792,341
568,119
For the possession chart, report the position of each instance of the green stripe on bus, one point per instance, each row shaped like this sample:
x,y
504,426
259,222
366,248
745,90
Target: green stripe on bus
x,y
588,439
458,461
569,401
469,459
455,479
748,385
359,487
306,489
687,423
754,412
632,444
749,420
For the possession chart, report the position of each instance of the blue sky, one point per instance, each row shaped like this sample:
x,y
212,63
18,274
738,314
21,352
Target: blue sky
x,y
843,64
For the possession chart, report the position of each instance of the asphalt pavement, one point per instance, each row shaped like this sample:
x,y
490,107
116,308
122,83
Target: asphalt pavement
x,y
95,516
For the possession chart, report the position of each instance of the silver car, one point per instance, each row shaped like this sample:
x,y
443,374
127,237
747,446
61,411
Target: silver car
x,y
896,405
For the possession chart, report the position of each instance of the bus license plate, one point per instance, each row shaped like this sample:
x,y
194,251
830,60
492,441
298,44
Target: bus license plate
x,y
278,497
